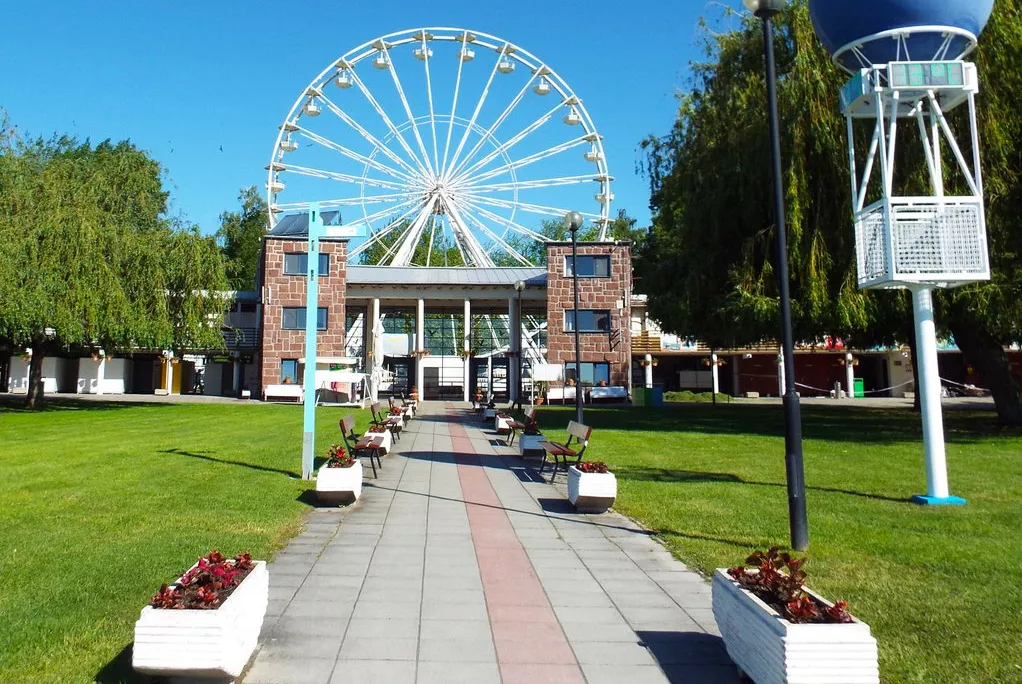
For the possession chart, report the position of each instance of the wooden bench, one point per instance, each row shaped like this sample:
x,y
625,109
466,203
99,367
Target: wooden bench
x,y
565,394
288,391
406,411
360,447
608,393
393,423
516,426
577,431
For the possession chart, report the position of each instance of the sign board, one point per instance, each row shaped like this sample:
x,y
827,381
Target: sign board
x,y
343,231
226,358
547,372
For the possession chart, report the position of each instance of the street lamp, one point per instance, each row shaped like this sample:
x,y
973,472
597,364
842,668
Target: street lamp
x,y
573,221
797,521
519,286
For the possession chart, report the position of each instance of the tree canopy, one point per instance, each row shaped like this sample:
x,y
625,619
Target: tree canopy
x,y
88,258
241,238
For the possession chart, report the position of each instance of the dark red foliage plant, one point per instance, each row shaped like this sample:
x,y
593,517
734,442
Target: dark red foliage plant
x,y
778,579
592,467
337,457
207,585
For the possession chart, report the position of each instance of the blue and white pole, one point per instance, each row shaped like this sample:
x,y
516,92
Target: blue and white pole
x,y
311,327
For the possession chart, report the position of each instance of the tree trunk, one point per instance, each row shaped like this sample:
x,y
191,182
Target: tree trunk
x,y
35,377
987,355
5,370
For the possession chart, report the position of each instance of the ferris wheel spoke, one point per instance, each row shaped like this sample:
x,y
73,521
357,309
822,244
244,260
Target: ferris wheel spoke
x,y
408,112
335,175
411,237
517,227
454,109
351,154
346,202
499,241
429,94
432,235
507,145
369,219
524,185
463,233
455,171
525,161
532,208
479,106
372,139
383,232
422,163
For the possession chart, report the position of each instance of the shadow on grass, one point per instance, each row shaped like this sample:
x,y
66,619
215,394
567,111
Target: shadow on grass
x,y
858,425
251,466
667,475
15,403
691,657
119,670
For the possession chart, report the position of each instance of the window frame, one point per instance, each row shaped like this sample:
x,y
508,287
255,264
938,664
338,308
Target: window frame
x,y
570,367
303,264
572,316
284,374
321,312
592,258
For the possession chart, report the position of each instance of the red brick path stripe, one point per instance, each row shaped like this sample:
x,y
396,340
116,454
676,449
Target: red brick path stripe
x,y
531,646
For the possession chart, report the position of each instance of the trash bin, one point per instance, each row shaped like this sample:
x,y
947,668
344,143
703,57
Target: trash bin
x,y
656,396
860,390
639,396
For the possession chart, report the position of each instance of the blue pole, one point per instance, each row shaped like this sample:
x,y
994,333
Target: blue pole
x,y
311,326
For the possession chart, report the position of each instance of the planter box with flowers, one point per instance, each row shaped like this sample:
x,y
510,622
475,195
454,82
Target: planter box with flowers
x,y
490,412
339,480
776,630
206,624
383,433
502,423
592,488
529,441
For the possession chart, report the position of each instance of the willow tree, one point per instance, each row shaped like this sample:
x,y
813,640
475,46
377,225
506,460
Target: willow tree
x,y
709,266
88,259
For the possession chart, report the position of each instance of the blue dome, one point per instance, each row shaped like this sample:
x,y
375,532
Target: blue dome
x,y
840,22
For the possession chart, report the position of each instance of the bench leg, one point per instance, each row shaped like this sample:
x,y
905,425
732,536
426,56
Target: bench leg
x,y
511,439
373,465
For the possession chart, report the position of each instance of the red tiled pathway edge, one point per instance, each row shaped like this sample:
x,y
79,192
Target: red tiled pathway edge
x,y
531,646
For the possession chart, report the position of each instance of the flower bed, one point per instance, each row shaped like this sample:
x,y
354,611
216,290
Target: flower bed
x,y
340,478
206,623
592,488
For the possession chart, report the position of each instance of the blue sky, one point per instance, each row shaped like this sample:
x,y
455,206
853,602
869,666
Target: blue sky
x,y
203,86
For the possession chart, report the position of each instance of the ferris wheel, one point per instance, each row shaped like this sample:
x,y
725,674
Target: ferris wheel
x,y
441,146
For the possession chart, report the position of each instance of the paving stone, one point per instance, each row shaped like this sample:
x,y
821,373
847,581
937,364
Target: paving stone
x,y
630,674
477,648
378,648
458,673
290,671
612,653
374,672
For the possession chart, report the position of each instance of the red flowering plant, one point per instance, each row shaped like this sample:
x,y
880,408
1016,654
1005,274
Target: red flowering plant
x,y
395,411
207,585
376,429
531,426
592,467
337,457
778,580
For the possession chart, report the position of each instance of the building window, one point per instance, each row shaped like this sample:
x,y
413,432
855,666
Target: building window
x,y
592,373
294,318
297,263
589,266
289,371
589,320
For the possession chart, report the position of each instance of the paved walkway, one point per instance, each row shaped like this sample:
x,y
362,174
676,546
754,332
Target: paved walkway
x,y
459,564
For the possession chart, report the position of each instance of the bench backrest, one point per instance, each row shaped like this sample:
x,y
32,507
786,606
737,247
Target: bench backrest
x,y
376,407
580,432
347,424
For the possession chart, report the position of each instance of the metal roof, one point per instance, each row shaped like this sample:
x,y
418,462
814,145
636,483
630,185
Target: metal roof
x,y
396,275
297,225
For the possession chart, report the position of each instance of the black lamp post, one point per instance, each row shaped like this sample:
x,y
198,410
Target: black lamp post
x,y
797,521
573,221
519,286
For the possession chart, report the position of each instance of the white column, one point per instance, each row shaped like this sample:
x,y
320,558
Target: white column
x,y
714,374
649,370
420,343
169,373
236,384
100,373
781,385
467,346
850,375
513,346
376,362
929,395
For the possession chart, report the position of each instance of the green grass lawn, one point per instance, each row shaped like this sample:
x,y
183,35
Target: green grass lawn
x,y
940,587
102,503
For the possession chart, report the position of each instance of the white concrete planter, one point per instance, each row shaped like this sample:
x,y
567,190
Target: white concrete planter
x,y
530,443
502,425
489,413
591,492
215,644
407,413
388,439
339,485
769,649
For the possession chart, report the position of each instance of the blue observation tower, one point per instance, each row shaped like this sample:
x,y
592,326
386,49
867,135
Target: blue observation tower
x,y
906,63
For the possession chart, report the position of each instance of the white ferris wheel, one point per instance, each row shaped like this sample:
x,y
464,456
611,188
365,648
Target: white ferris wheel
x,y
441,146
